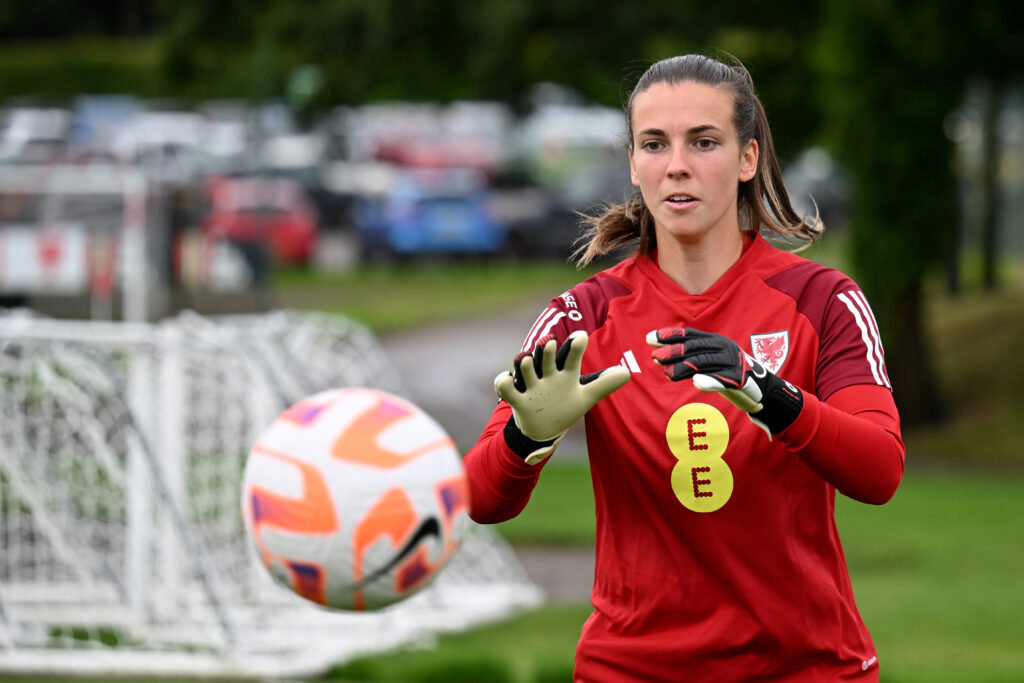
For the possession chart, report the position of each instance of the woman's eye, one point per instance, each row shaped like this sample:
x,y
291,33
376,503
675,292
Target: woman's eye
x,y
652,145
706,143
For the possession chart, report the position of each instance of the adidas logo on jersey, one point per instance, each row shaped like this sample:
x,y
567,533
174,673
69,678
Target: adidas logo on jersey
x,y
629,362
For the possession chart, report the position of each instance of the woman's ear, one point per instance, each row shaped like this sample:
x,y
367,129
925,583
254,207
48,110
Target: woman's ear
x,y
748,161
633,178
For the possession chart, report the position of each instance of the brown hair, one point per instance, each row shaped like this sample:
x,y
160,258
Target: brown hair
x,y
764,203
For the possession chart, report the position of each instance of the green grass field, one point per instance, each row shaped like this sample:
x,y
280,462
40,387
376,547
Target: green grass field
x,y
396,297
936,571
937,576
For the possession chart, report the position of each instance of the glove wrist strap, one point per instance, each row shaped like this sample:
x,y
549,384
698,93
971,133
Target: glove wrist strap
x,y
782,404
526,448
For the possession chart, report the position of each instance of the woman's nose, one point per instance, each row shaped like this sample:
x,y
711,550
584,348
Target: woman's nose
x,y
678,163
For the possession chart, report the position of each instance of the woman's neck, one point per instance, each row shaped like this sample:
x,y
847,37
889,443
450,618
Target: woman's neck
x,y
697,266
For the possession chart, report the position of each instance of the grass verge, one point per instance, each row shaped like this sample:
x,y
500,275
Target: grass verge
x,y
389,298
936,572
561,509
976,338
937,577
536,646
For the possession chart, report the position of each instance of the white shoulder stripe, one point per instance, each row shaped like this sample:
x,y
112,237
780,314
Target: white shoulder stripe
x,y
867,335
542,327
547,327
869,316
532,334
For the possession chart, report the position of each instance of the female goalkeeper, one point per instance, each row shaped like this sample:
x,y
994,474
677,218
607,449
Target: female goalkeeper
x,y
715,455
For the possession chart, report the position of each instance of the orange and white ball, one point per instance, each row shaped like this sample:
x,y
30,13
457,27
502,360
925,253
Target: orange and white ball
x,y
354,498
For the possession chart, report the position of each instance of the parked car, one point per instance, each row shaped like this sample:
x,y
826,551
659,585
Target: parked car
x,y
430,211
34,135
273,211
169,146
547,221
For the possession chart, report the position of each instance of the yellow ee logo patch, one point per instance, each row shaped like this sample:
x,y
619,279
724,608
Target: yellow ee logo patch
x,y
698,435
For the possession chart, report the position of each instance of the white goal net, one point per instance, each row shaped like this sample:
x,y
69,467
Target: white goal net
x,y
122,447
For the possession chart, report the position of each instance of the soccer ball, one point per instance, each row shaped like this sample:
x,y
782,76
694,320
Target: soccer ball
x,y
354,498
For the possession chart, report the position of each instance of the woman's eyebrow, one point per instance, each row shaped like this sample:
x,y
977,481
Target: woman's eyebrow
x,y
696,130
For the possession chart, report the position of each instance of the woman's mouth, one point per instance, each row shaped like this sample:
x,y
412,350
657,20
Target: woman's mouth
x,y
680,199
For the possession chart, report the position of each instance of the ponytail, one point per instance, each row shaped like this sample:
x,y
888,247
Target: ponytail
x,y
618,226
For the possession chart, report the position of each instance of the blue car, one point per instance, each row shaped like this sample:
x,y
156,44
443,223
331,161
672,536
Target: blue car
x,y
440,211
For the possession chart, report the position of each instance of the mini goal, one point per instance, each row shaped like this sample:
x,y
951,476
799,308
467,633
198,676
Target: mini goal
x,y
122,447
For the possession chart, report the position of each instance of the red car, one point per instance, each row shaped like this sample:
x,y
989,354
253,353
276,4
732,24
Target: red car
x,y
250,209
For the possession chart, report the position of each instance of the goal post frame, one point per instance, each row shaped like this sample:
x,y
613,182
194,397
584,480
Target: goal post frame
x,y
189,598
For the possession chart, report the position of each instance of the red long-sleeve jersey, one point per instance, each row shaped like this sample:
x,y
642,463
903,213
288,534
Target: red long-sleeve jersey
x,y
717,554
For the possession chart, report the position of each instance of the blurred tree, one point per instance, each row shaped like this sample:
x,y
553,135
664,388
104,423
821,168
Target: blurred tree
x,y
53,50
889,88
989,180
47,19
998,29
441,50
893,72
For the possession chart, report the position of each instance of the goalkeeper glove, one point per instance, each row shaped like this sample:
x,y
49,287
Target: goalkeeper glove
x,y
717,364
548,395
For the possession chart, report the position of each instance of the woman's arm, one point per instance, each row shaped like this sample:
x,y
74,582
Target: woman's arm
x,y
500,481
852,440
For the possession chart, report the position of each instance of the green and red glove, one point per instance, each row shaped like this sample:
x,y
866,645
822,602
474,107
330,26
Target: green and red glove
x,y
717,364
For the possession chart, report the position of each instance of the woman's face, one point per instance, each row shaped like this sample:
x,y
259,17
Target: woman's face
x,y
687,160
